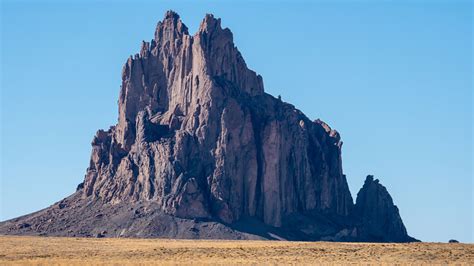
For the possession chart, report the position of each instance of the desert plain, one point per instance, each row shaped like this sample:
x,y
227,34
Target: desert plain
x,y
119,251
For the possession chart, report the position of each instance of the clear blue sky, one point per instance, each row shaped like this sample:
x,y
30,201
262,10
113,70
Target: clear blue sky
x,y
393,77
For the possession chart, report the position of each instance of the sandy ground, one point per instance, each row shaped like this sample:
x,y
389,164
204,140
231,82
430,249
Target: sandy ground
x,y
56,250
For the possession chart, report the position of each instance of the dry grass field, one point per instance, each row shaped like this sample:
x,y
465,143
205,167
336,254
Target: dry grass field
x,y
56,250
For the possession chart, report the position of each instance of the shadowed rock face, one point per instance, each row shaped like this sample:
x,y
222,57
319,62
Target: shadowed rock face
x,y
379,217
198,138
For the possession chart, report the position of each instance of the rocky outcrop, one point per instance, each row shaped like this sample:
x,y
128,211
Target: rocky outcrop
x,y
197,133
198,138
379,219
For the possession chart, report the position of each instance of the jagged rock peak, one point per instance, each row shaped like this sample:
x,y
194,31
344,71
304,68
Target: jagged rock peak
x,y
370,179
170,28
172,23
170,14
374,184
379,217
177,71
210,23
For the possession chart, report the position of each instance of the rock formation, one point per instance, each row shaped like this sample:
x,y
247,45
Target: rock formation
x,y
379,219
200,147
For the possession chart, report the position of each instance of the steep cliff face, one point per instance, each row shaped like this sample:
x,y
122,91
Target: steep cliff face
x,y
198,139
